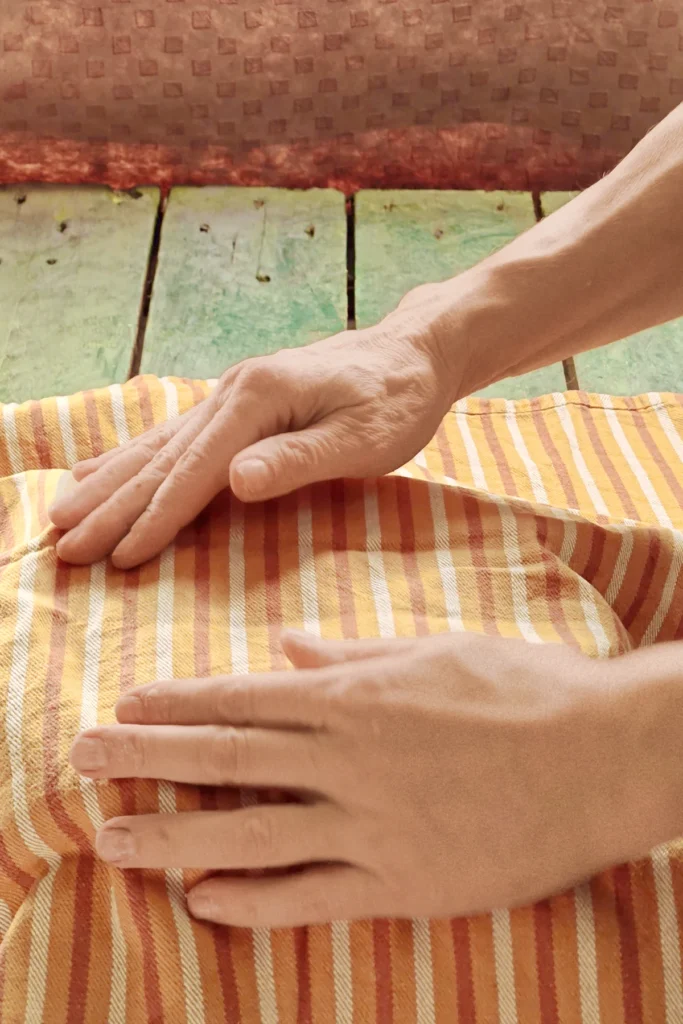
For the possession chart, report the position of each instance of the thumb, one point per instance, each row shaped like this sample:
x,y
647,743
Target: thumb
x,y
306,651
281,464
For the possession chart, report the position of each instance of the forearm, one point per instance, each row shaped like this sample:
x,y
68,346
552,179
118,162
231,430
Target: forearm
x,y
643,726
606,265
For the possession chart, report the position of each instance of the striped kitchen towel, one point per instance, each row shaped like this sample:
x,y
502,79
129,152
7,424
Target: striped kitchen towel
x,y
556,520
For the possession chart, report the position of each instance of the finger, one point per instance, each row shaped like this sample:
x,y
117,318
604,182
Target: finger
x,y
162,431
278,700
306,651
115,496
254,838
281,464
316,895
196,478
215,755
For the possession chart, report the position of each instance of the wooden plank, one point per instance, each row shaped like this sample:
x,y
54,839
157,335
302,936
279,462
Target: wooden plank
x,y
244,271
651,360
72,272
407,238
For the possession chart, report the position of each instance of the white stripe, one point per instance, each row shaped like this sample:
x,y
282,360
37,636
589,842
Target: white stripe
x,y
14,720
444,559
668,591
239,651
5,918
39,950
119,974
378,580
422,955
620,565
634,463
11,440
66,430
89,706
171,393
189,959
341,941
535,480
118,409
505,967
567,425
424,972
309,584
587,955
14,710
668,931
667,423
471,451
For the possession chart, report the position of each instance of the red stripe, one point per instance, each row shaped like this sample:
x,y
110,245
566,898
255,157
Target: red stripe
x,y
595,554
644,586
40,436
499,455
80,941
608,466
14,872
630,964
545,963
462,951
144,402
383,981
550,447
304,1013
553,584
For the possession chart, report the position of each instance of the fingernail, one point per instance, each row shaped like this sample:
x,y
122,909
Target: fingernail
x,y
88,754
115,844
201,905
253,474
130,708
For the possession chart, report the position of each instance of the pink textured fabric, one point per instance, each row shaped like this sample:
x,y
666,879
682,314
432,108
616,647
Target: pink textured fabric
x,y
350,93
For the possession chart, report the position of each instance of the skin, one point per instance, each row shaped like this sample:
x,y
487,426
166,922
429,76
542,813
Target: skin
x,y
405,759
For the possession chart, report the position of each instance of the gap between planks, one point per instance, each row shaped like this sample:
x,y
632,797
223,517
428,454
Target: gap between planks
x,y
568,365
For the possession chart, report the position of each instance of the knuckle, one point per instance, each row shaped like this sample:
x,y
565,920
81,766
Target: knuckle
x,y
258,840
134,753
224,760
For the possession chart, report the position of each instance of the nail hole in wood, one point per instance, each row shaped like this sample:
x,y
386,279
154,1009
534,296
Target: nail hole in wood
x,y
310,231
21,200
258,203
501,206
438,233
62,227
204,228
263,278
51,263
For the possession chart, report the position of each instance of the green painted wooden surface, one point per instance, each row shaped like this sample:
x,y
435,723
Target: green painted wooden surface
x,y
242,272
407,238
73,265
651,360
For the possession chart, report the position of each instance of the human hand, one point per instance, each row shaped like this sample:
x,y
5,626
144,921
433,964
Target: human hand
x,y
359,404
443,776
